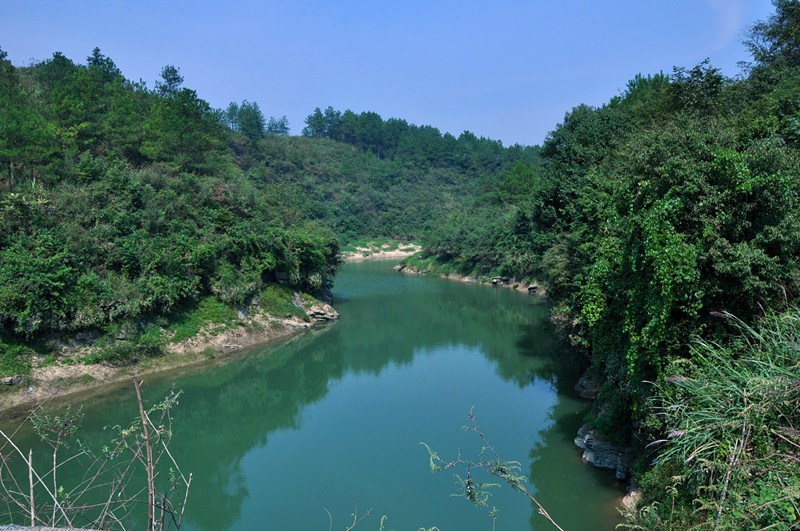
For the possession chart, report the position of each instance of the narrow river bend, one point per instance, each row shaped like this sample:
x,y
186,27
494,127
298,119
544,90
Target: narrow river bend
x,y
335,417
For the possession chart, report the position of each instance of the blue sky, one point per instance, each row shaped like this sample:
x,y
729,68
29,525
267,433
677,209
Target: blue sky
x,y
506,69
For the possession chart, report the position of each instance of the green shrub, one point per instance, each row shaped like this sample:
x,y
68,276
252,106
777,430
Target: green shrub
x,y
14,358
189,320
276,300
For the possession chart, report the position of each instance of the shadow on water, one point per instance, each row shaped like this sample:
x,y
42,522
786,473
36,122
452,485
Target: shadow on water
x,y
570,489
406,360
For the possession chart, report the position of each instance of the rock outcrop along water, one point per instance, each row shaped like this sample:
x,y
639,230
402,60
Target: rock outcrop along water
x,y
603,454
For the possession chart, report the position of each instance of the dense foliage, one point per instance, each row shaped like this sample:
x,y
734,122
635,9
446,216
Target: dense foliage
x,y
119,204
410,177
651,219
729,457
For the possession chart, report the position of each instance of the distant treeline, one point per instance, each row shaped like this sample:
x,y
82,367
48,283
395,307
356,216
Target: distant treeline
x,y
424,145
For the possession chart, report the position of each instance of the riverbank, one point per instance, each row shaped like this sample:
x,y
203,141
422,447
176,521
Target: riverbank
x,y
517,284
63,368
64,372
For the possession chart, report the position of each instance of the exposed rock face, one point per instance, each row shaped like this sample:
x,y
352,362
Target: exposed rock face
x,y
322,312
631,500
12,380
603,454
586,388
502,282
317,311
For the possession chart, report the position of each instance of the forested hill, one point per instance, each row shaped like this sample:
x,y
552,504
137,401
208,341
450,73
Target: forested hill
x,y
372,189
671,213
120,203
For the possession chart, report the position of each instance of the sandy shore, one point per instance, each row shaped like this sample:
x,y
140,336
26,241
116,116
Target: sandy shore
x,y
384,253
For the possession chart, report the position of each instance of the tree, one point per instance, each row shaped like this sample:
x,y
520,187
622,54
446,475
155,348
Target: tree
x,y
777,39
323,125
643,96
333,121
172,81
278,126
180,130
348,127
229,115
26,139
82,101
250,120
369,131
315,124
103,65
55,71
697,90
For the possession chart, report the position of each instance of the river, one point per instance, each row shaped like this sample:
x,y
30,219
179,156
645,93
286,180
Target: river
x,y
332,420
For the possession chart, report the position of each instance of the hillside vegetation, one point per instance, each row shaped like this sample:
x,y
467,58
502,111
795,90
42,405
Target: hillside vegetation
x,y
666,215
124,207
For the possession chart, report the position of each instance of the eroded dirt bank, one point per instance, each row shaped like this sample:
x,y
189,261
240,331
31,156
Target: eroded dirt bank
x,y
68,377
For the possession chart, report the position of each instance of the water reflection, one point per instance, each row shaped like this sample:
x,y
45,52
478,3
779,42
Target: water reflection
x,y
338,413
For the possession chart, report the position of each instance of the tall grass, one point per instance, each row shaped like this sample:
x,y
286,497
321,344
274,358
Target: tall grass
x,y
730,454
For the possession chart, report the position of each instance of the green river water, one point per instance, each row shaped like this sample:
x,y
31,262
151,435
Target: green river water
x,y
333,418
